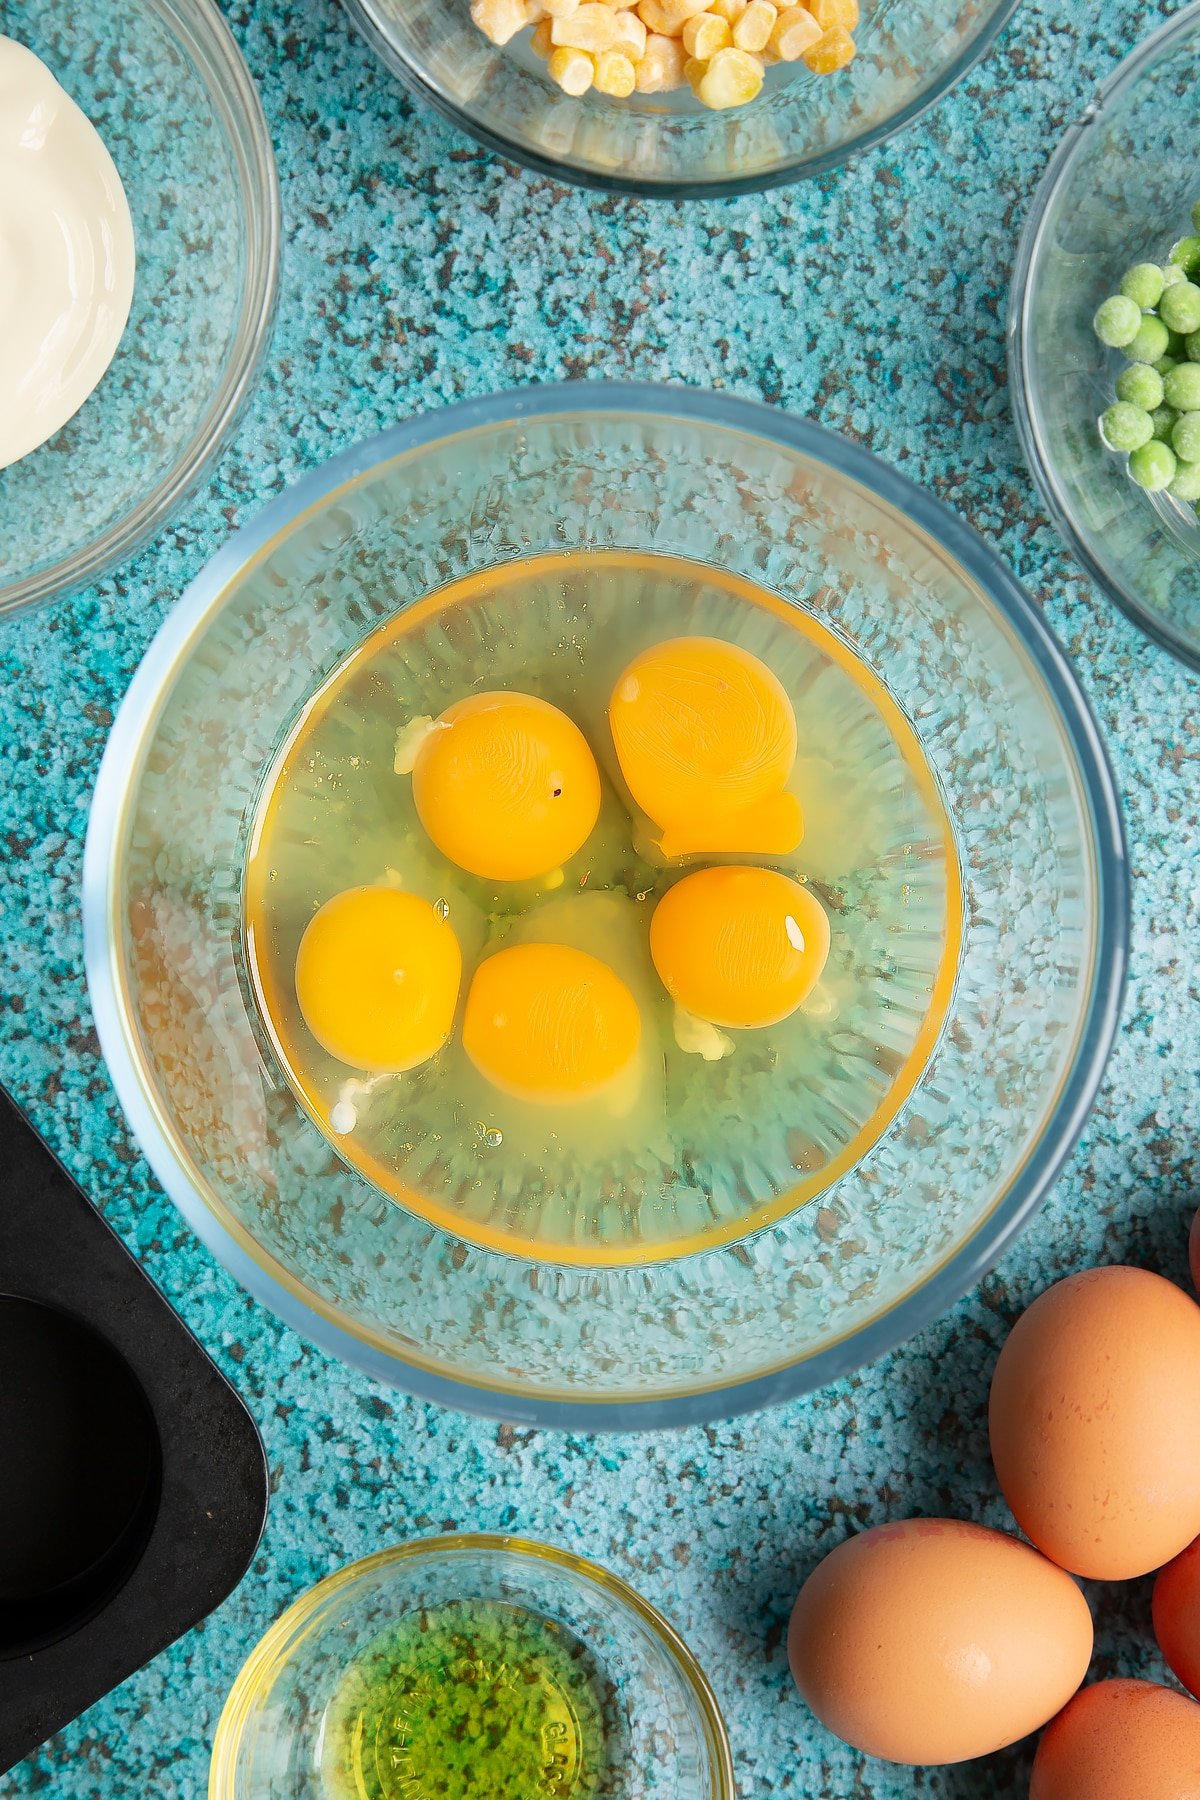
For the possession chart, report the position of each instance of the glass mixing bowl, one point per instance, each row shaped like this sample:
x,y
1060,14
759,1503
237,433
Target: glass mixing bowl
x,y
165,86
1119,190
281,1733
822,524
669,145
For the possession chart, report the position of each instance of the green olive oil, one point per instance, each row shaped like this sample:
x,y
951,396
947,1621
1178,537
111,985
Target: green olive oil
x,y
470,1700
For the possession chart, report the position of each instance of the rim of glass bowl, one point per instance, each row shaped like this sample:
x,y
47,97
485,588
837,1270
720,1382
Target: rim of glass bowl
x,y
1058,170
361,12
199,26
313,1318
291,1627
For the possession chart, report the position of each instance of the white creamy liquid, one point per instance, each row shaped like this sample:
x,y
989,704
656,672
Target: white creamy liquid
x,y
66,255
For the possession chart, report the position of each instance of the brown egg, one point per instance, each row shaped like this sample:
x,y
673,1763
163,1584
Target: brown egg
x,y
934,1640
1095,1422
1121,1740
1177,1616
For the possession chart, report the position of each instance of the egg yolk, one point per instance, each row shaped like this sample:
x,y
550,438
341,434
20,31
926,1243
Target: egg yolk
x,y
739,947
506,786
547,1023
706,739
377,979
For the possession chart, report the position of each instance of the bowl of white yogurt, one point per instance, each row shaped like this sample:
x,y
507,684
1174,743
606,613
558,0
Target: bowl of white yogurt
x,y
139,254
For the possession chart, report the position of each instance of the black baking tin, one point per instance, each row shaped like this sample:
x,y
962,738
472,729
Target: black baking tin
x,y
133,1486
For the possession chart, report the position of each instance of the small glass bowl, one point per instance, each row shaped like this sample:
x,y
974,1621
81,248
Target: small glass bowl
x,y
277,1736
1119,190
669,145
753,1318
166,87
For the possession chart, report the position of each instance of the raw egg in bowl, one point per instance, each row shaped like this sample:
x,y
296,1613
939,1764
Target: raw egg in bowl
x,y
644,876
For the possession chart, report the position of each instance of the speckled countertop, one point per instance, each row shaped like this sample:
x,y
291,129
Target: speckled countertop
x,y
418,269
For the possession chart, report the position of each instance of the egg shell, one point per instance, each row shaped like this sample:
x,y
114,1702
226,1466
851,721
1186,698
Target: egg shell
x,y
1177,1616
1095,1422
1121,1740
1194,1252
935,1640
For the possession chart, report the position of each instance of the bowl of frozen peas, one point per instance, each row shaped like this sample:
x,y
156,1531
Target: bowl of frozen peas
x,y
1104,339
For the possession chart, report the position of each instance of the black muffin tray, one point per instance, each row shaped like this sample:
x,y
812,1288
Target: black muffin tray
x,y
133,1487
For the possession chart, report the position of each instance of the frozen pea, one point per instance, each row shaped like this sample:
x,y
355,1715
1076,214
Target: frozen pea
x,y
1143,284
1172,275
1179,308
1185,437
1149,341
1125,427
1185,483
1117,320
1191,344
1152,466
1164,365
1162,419
1142,386
1186,254
1181,389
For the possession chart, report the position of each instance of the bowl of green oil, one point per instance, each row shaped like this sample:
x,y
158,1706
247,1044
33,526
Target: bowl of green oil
x,y
471,1668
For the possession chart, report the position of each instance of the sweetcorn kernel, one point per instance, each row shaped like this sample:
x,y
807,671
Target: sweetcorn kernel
x,y
683,10
729,10
590,27
572,70
732,78
614,74
499,20
630,36
559,9
831,13
694,72
753,30
541,42
795,32
661,66
832,50
705,34
668,17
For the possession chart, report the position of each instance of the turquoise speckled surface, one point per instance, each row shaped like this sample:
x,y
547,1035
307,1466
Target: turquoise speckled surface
x,y
418,269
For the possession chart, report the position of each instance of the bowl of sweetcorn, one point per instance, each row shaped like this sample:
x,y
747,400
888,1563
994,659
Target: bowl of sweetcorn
x,y
744,1309
679,98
